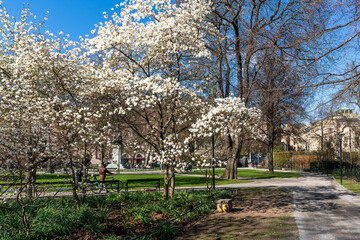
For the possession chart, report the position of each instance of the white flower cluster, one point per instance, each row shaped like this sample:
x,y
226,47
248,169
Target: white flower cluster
x,y
209,163
226,116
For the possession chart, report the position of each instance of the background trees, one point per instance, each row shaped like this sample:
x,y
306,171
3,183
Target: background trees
x,y
300,33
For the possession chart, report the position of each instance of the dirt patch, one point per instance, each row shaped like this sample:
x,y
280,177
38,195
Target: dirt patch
x,y
84,235
257,214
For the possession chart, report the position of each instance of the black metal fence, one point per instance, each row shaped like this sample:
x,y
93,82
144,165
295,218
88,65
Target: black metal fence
x,y
349,170
115,185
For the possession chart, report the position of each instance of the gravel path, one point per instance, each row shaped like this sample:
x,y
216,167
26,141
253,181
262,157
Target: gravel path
x,y
323,208
326,210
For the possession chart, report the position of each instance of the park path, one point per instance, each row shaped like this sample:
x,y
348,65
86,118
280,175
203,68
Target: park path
x,y
324,210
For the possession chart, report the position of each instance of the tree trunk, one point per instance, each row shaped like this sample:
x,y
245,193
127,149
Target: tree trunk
x,y
266,160
30,178
24,219
102,154
270,146
270,157
83,179
166,182
233,154
172,179
74,185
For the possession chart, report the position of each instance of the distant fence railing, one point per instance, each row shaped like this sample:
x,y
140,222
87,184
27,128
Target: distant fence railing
x,y
60,186
319,161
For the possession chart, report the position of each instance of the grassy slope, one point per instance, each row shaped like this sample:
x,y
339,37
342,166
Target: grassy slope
x,y
350,184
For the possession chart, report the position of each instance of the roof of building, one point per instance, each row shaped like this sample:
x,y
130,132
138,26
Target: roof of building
x,y
345,108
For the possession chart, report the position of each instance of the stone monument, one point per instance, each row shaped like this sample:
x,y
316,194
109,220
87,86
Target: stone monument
x,y
117,161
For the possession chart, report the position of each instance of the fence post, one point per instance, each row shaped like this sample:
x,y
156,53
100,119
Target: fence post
x,y
340,146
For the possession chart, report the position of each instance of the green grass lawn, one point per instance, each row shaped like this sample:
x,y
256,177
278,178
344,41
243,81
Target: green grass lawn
x,y
350,184
249,173
180,180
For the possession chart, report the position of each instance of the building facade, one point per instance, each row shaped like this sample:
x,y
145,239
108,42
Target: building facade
x,y
326,133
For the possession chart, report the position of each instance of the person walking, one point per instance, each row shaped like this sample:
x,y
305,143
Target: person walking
x,y
102,176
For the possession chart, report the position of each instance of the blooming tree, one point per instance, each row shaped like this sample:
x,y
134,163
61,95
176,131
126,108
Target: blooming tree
x,y
147,53
44,110
228,117
26,102
26,108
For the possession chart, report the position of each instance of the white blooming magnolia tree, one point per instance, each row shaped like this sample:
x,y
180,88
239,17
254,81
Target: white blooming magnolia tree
x,y
147,52
26,105
229,118
43,113
26,108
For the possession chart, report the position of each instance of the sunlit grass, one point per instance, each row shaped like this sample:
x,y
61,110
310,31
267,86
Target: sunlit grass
x,y
349,184
180,180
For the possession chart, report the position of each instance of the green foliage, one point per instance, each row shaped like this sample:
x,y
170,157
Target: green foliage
x,y
313,165
141,205
204,209
111,238
57,217
143,218
96,201
278,148
281,159
165,232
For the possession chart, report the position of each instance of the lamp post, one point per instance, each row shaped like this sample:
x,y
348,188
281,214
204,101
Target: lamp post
x,y
340,151
327,162
213,160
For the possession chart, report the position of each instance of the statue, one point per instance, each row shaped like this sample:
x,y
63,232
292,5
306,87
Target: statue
x,y
117,161
118,139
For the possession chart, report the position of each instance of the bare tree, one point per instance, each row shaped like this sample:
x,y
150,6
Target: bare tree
x,y
310,33
279,101
252,28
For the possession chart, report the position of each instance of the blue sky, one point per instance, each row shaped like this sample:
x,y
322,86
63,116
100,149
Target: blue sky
x,y
74,17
